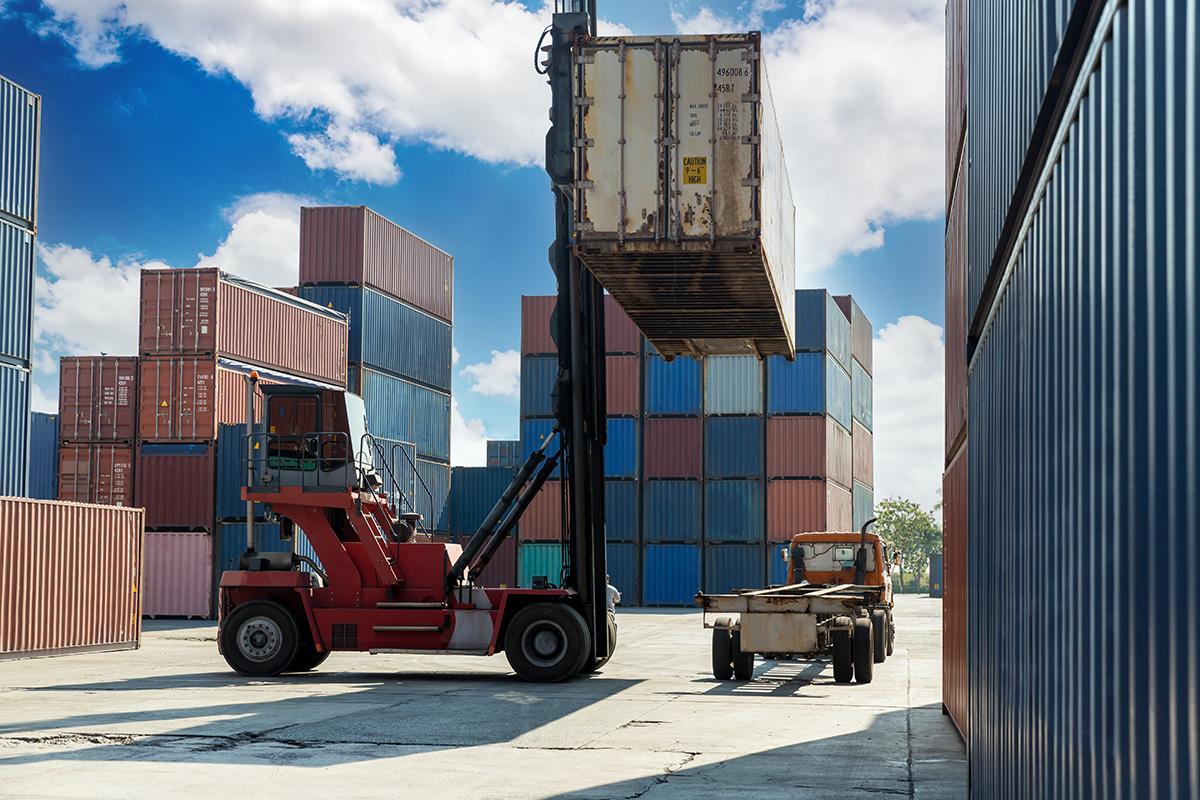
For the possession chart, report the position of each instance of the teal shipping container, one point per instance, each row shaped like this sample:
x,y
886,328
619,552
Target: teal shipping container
x,y
539,559
671,511
733,566
734,511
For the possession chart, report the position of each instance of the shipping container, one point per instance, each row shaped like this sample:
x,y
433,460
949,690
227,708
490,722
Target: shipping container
x,y
733,385
533,434
821,325
20,153
176,485
17,275
956,87
405,411
733,447
539,560
96,473
808,447
670,574
862,332
178,575
621,335
543,519
43,456
862,392
504,453
621,511
734,511
935,575
539,375
733,566
698,234
954,592
621,449
231,543
673,388
231,473
474,491
674,448
862,442
623,385
812,384
15,385
390,335
671,511
956,314
69,577
433,494
777,567
536,338
501,571
355,245
98,398
864,505
622,561
805,506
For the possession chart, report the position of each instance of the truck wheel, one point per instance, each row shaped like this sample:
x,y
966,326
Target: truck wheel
x,y
743,663
307,658
864,650
547,642
891,632
843,661
879,634
722,654
597,663
259,638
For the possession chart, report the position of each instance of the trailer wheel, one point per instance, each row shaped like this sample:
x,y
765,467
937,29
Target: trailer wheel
x,y
843,659
547,642
259,638
879,635
864,650
722,654
743,663
307,658
891,632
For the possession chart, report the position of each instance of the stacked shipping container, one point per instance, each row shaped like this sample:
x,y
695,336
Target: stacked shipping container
x,y
43,456
97,401
504,453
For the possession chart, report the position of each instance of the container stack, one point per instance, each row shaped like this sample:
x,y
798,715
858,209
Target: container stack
x,y
397,292
862,401
43,456
473,493
97,432
504,453
20,126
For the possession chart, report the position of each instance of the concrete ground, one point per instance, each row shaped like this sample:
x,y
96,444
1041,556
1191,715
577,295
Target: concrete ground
x,y
171,720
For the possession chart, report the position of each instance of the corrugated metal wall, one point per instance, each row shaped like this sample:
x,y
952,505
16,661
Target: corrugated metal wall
x,y
671,511
670,574
408,412
432,494
734,511
43,456
14,430
674,448
733,447
504,453
733,385
474,491
673,388
17,272
864,505
733,566
623,571
539,559
20,144
539,374
621,516
175,484
954,594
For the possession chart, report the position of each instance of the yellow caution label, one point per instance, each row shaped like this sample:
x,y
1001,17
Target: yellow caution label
x,y
256,445
695,169
163,404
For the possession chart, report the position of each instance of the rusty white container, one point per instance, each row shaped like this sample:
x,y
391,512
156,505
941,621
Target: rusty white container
x,y
683,208
70,577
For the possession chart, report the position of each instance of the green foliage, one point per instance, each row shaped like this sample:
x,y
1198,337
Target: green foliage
x,y
906,526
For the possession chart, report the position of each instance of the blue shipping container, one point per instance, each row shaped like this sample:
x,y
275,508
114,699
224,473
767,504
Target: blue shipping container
x,y
670,574
673,389
796,387
776,567
734,511
14,430
671,511
389,334
838,392
231,475
621,451
733,447
538,376
231,543
733,566
620,511
473,493
821,325
405,411
504,453
622,571
864,504
433,494
43,456
862,389
16,294
733,385
533,433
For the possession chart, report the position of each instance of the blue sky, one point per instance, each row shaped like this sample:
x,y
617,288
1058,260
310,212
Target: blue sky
x,y
153,149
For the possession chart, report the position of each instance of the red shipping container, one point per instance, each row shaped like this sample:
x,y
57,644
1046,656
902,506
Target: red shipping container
x,y
956,316
71,577
543,519
535,325
176,485
863,444
808,447
97,398
178,575
354,245
623,385
954,592
501,571
956,85
184,399
674,448
96,473
803,506
205,311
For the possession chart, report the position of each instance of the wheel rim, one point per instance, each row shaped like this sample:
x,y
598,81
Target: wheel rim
x,y
259,639
544,643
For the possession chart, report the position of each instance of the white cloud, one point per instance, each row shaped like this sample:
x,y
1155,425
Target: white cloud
x,y
263,243
468,439
909,410
42,401
498,377
351,153
454,356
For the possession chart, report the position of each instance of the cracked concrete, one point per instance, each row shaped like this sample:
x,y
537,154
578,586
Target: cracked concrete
x,y
172,720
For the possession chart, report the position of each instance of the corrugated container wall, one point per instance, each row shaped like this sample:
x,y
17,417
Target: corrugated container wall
x,y
96,473
504,453
673,388
670,574
43,456
175,484
733,566
542,520
14,430
802,506
20,133
621,511
674,448
69,577
178,572
733,447
861,332
956,313
433,493
734,511
355,245
808,447
821,325
539,559
231,473
474,491
539,374
864,505
698,235
623,385
862,399
533,433
954,596
17,272
405,411
535,325
98,398
671,511
621,449
862,443
622,561
733,385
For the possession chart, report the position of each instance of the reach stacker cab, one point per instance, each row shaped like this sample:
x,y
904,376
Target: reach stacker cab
x,y
377,584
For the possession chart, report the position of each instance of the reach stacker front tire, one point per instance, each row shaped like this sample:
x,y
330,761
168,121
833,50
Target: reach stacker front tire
x,y
259,638
864,650
843,656
880,634
722,654
743,663
307,658
612,648
547,642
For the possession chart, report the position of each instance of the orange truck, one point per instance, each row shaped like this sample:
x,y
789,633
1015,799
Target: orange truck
x,y
838,597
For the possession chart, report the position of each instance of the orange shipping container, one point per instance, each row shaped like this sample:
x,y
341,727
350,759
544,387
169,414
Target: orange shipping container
x,y
97,398
863,445
954,597
800,506
69,577
96,473
178,575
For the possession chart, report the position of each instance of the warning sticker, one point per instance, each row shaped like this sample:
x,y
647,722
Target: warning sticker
x,y
695,169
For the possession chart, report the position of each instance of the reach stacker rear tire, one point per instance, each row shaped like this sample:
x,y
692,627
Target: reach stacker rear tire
x,y
843,654
547,642
259,638
743,663
307,658
722,655
880,634
864,650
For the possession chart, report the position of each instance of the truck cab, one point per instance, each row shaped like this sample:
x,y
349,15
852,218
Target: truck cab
x,y
829,558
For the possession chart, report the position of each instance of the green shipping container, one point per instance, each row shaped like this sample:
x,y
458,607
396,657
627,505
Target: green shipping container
x,y
539,558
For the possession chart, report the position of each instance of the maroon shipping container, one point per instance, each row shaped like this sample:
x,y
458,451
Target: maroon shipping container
x,y
620,334
354,245
184,399
674,448
175,484
206,311
956,316
501,571
623,382
863,445
956,85
535,325
861,332
802,506
543,519
954,588
97,398
808,447
178,575
69,577
96,473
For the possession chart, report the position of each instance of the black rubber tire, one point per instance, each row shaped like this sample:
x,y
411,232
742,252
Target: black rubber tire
x,y
569,643
879,634
891,633
597,663
259,638
864,650
743,663
722,655
843,661
307,658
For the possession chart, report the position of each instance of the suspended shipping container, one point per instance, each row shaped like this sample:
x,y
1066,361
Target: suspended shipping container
x,y
96,473
14,430
43,456
405,411
673,388
17,274
20,157
733,447
671,511
176,485
621,511
808,447
806,506
98,398
733,566
178,575
734,511
71,577
670,574
674,448
539,560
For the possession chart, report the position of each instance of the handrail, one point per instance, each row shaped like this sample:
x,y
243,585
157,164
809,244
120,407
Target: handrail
x,y
369,439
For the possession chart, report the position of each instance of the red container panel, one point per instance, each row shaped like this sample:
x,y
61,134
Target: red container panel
x,y
808,447
542,521
69,577
184,399
96,473
623,382
501,571
97,398
177,489
178,575
954,588
535,325
674,447
956,84
353,244
863,445
620,334
956,315
802,506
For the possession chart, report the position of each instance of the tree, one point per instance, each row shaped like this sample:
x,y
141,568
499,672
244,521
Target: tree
x,y
904,525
